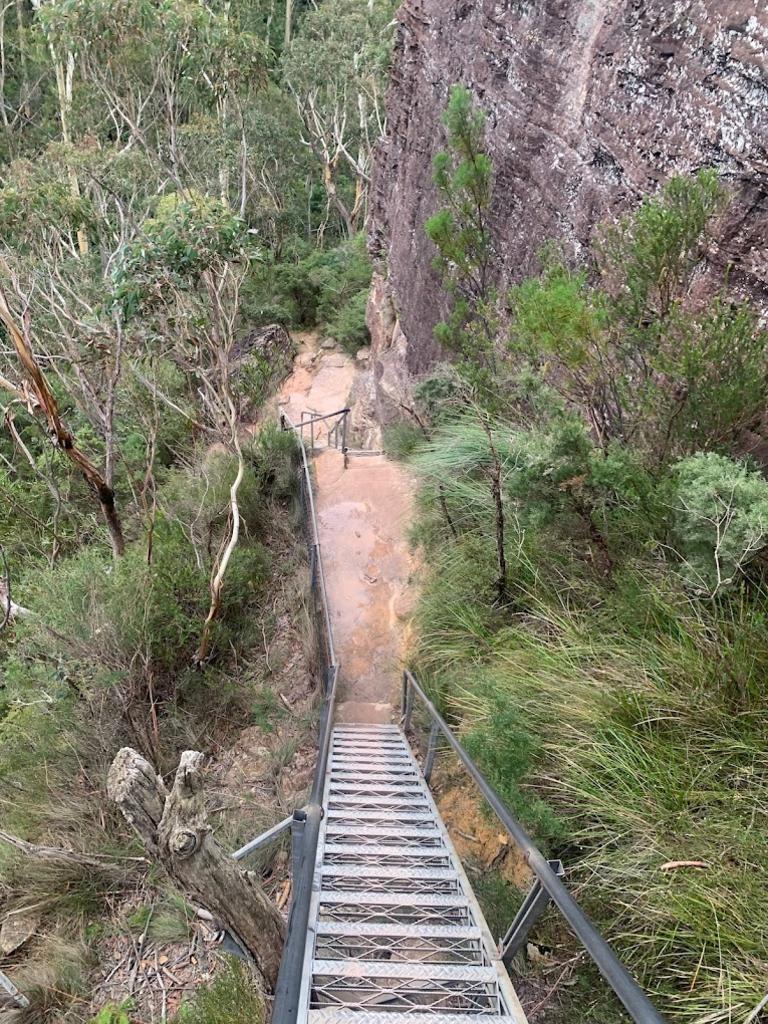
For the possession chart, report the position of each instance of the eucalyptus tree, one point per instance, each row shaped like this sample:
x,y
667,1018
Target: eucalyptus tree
x,y
336,70
179,281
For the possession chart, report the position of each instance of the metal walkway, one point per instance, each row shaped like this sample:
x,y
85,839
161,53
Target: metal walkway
x,y
394,928
383,927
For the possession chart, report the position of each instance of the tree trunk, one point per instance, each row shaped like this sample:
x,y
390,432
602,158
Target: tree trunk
x,y
38,398
174,829
498,502
64,81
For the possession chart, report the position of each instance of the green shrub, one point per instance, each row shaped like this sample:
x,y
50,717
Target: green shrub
x,y
402,439
231,998
314,288
632,355
114,1013
719,520
349,327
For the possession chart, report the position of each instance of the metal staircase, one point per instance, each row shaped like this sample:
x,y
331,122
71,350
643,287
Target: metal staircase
x,y
383,926
394,928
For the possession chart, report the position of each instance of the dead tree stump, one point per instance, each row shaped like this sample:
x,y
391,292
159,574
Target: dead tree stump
x,y
175,831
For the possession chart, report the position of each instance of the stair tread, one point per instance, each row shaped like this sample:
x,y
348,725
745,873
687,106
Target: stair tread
x,y
338,1015
397,969
382,871
431,931
416,899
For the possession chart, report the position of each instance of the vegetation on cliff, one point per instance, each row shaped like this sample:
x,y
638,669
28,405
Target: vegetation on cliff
x,y
590,442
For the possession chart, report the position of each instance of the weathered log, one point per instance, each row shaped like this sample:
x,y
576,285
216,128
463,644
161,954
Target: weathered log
x,y
174,829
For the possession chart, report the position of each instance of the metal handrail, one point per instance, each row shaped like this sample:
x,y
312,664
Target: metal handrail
x,y
306,822
635,1001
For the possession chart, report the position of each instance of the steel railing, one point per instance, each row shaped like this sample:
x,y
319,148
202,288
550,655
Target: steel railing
x,y
548,885
305,824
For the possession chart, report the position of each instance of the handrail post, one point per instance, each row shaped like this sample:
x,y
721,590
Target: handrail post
x,y
407,702
20,1000
429,762
535,903
298,822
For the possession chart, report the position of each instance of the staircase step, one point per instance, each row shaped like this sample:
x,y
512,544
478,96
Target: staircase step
x,y
388,969
381,871
414,817
338,1015
419,899
344,785
407,802
384,851
434,931
403,831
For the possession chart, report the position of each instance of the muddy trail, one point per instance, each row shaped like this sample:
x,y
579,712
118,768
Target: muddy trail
x,y
364,512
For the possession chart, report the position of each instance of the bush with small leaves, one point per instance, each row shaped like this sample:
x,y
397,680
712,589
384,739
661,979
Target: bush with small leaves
x,y
719,520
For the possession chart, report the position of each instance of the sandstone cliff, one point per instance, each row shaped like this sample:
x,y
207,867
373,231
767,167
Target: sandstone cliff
x,y
590,104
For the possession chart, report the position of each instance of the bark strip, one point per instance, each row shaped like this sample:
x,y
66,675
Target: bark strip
x,y
40,400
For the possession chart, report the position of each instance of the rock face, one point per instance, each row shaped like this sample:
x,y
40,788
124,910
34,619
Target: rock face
x,y
590,105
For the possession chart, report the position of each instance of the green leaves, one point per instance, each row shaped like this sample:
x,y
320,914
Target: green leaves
x,y
719,520
557,314
646,258
460,232
187,235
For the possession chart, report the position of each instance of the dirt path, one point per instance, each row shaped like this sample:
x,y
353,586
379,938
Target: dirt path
x,y
364,513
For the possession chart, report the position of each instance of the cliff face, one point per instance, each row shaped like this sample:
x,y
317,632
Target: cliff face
x,y
590,105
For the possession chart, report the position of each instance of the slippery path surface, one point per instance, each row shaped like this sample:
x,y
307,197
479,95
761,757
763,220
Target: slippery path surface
x,y
363,516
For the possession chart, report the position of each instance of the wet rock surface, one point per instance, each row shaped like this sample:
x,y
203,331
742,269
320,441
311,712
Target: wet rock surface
x,y
364,510
590,104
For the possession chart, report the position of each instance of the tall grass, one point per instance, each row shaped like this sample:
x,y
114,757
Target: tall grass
x,y
626,722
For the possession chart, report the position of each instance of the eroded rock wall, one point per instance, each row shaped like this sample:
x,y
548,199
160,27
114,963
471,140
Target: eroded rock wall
x,y
590,105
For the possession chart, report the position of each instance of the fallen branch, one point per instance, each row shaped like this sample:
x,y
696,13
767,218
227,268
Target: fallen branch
x,y
672,865
62,855
174,829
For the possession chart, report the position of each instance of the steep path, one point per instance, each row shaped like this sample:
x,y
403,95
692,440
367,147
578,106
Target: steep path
x,y
363,516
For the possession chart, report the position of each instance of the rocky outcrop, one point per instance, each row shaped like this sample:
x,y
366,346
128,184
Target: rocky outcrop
x,y
590,104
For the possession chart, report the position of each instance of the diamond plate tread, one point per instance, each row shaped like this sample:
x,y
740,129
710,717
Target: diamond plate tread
x,y
390,969
374,766
381,871
371,730
338,1015
343,785
385,851
414,817
340,801
377,750
383,899
426,931
377,774
381,747
384,832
